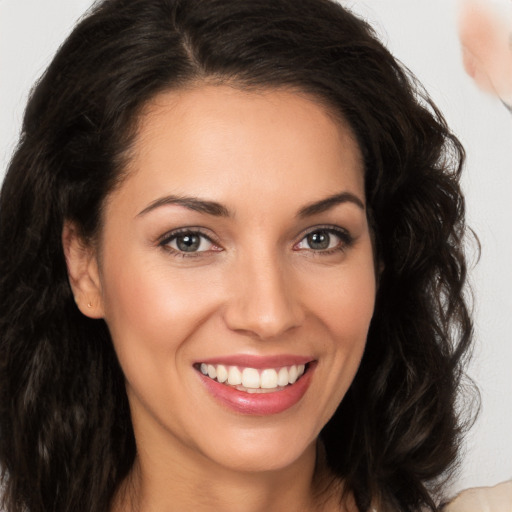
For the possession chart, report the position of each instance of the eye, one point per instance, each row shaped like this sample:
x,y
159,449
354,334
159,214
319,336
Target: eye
x,y
188,242
325,240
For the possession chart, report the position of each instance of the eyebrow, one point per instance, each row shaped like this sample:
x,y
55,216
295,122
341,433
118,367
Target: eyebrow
x,y
326,204
219,210
192,203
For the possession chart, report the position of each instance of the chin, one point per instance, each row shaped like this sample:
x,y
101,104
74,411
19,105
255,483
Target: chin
x,y
262,449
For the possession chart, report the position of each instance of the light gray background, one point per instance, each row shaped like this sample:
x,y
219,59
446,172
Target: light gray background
x,y
421,33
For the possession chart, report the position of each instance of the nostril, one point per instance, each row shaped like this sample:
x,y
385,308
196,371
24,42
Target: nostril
x,y
262,324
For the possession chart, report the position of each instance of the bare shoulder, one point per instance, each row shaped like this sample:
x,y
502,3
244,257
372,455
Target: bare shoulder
x,y
483,499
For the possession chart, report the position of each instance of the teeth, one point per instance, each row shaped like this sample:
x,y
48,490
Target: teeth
x,y
222,373
282,377
234,376
212,371
251,379
268,379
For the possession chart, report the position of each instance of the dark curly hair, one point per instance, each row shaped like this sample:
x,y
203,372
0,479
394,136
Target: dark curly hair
x,y
66,440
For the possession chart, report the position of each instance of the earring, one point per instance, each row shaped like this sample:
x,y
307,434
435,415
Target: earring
x,y
89,305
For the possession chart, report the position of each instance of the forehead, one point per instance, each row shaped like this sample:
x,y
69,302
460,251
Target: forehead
x,y
221,142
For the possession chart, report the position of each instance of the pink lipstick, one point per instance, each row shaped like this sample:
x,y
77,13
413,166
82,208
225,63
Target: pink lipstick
x,y
257,385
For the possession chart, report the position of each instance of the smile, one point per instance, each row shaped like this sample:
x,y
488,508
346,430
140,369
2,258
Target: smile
x,y
252,380
257,385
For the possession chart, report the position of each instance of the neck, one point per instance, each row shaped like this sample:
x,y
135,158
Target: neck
x,y
154,486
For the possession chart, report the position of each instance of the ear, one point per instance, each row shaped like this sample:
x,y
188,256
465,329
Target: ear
x,y
83,273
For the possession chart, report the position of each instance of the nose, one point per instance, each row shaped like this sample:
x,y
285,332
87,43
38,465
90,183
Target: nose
x,y
264,302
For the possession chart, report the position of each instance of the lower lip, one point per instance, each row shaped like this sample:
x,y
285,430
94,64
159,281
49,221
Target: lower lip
x,y
259,404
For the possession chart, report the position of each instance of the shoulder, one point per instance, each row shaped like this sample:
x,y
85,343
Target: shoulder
x,y
483,499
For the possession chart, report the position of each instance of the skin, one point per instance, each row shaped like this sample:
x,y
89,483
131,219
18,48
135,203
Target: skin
x,y
257,288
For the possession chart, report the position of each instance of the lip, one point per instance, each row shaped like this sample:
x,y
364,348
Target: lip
x,y
258,362
258,404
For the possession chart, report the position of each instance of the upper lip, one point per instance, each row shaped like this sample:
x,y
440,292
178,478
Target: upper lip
x,y
258,362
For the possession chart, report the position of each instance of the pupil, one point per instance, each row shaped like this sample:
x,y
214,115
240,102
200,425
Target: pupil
x,y
319,240
188,243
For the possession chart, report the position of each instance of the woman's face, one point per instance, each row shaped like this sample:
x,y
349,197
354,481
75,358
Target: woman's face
x,y
238,246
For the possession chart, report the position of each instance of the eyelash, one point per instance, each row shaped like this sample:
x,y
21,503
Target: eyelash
x,y
166,239
346,240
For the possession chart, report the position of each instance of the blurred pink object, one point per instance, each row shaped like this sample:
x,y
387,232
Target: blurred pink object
x,y
485,31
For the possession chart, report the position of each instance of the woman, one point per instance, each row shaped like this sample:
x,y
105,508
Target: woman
x,y
231,268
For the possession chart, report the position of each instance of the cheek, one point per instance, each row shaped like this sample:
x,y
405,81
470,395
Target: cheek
x,y
345,303
152,311
344,306
150,306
